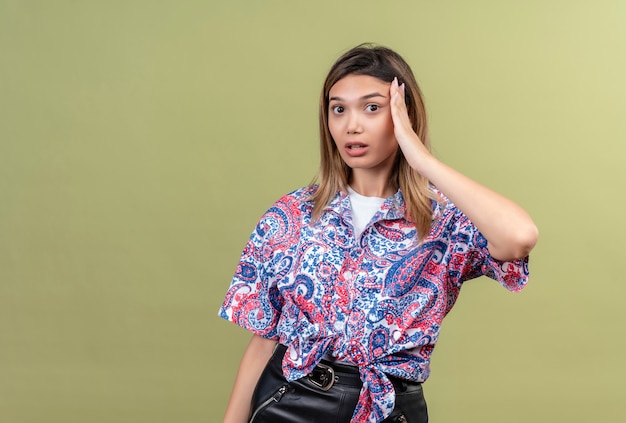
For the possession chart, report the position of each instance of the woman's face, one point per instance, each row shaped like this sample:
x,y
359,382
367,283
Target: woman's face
x,y
359,120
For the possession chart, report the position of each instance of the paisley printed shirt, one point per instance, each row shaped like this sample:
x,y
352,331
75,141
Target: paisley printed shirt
x,y
377,301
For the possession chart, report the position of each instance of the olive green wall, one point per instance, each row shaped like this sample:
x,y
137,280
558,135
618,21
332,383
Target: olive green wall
x,y
141,140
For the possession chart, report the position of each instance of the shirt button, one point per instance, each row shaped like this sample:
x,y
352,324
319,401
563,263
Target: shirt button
x,y
347,275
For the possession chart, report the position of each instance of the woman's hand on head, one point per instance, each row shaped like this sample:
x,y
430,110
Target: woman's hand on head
x,y
412,147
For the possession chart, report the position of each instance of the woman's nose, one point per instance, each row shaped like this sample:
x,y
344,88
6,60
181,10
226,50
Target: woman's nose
x,y
354,124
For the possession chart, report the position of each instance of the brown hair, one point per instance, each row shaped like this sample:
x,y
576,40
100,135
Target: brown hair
x,y
383,64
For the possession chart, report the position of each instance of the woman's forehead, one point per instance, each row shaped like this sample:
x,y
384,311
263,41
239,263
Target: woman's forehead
x,y
357,86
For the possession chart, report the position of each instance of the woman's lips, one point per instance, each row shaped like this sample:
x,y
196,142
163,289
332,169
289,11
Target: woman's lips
x,y
355,149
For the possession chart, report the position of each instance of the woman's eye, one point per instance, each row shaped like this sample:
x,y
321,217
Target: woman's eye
x,y
337,109
372,107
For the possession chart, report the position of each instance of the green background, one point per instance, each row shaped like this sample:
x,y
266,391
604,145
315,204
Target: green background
x,y
141,140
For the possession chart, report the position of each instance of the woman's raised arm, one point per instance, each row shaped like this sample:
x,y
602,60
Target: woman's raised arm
x,y
510,231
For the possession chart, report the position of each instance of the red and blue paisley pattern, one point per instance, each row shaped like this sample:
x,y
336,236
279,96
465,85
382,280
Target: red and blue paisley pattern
x,y
377,301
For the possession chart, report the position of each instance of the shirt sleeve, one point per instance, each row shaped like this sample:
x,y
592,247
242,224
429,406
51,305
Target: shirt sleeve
x,y
471,258
253,300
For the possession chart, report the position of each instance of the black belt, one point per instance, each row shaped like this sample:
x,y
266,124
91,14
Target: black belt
x,y
327,373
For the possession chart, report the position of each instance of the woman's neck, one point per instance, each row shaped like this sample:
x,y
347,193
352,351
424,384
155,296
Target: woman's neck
x,y
371,184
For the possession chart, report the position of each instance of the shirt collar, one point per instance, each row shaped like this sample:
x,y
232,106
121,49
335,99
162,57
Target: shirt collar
x,y
393,207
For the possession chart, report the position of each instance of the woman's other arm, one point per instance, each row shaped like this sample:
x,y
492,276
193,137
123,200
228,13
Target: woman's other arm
x,y
257,354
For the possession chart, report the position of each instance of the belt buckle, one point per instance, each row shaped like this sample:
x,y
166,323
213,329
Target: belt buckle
x,y
326,378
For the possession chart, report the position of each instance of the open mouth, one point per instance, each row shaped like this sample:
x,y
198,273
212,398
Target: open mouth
x,y
355,145
356,149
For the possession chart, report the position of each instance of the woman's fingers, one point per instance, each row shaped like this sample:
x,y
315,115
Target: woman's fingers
x,y
398,108
399,113
412,147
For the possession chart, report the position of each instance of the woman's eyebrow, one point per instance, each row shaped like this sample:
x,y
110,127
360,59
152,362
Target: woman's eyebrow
x,y
365,97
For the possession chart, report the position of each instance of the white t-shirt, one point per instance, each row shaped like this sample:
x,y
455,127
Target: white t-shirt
x,y
363,209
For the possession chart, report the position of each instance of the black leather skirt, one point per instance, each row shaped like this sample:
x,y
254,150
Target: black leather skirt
x,y
329,394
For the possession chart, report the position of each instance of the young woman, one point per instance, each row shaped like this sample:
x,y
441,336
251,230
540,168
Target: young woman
x,y
344,284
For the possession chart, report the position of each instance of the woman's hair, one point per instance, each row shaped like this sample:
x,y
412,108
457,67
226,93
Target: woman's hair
x,y
383,64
